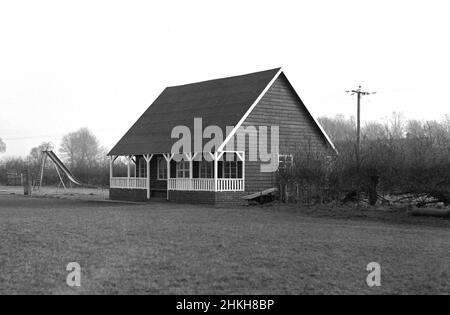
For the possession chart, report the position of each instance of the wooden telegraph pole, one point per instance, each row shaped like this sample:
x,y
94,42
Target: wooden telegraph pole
x,y
358,92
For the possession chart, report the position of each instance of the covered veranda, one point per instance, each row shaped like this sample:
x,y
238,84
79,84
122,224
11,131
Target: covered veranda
x,y
223,171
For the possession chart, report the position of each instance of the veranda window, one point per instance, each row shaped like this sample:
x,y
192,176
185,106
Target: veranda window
x,y
183,169
230,169
206,169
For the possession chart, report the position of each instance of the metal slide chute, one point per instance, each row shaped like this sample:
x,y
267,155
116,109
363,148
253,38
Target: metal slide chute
x,y
59,167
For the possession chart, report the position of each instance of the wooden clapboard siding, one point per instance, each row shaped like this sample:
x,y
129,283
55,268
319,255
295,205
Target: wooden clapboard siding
x,y
281,107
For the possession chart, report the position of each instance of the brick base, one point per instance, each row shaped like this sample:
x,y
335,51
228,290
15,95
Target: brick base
x,y
230,199
192,197
219,199
138,195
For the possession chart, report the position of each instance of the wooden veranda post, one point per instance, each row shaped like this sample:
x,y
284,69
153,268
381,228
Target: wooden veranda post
x,y
128,170
148,158
216,170
241,156
168,158
191,169
111,168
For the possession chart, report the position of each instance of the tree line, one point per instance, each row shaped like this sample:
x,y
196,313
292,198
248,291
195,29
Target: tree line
x,y
398,156
80,151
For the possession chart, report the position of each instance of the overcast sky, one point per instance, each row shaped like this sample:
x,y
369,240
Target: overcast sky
x,y
100,64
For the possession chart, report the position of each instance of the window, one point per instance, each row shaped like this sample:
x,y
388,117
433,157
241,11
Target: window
x,y
162,168
183,169
285,161
206,169
142,168
230,169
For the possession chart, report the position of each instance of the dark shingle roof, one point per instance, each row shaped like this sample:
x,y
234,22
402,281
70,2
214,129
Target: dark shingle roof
x,y
221,102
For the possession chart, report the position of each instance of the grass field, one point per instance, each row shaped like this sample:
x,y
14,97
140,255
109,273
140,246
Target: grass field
x,y
162,248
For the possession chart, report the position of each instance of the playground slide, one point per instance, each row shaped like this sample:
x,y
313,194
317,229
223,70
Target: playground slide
x,y
62,167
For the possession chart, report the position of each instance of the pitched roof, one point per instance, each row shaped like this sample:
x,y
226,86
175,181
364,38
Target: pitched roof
x,y
221,102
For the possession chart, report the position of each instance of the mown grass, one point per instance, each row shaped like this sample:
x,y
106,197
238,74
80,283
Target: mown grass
x,y
162,248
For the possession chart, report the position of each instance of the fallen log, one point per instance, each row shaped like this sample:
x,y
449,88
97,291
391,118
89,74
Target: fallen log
x,y
263,196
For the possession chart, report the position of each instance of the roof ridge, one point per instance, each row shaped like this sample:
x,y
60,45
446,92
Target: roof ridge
x,y
223,78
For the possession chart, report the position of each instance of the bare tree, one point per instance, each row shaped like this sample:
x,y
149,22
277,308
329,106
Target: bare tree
x,y
446,122
339,128
396,126
374,131
81,148
35,157
2,146
414,129
36,153
85,156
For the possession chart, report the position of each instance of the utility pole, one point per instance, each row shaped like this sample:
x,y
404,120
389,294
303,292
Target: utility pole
x,y
358,92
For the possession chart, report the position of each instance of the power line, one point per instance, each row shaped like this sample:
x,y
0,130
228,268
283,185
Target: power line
x,y
31,137
102,131
359,93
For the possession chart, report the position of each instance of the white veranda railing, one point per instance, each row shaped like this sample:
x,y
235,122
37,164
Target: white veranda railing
x,y
182,184
129,183
206,184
